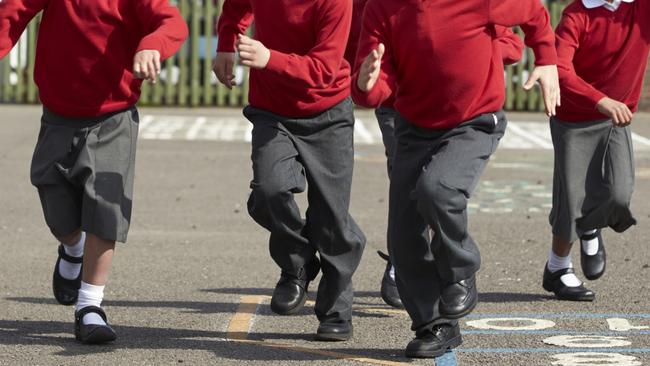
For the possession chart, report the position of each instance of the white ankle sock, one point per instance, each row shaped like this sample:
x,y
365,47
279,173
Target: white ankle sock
x,y
590,246
556,263
69,270
391,273
90,295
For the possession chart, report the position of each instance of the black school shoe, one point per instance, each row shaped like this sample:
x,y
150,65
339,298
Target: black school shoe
x,y
290,293
334,332
553,283
389,292
66,291
593,266
434,343
92,333
459,299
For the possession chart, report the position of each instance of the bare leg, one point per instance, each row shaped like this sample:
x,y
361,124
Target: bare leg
x,y
98,258
561,246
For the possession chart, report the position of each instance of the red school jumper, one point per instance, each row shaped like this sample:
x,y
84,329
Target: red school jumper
x,y
601,54
85,49
306,73
441,57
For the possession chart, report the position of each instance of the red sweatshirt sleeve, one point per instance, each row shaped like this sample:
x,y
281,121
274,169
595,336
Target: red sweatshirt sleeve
x,y
320,67
372,34
568,35
236,17
509,43
14,17
533,19
164,27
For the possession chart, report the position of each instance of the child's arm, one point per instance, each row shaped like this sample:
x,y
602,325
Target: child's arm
x,y
535,22
568,35
165,31
509,43
236,17
320,67
374,79
14,17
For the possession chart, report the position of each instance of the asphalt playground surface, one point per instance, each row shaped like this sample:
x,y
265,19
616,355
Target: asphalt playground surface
x,y
193,283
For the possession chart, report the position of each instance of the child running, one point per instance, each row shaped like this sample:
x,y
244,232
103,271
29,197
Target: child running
x,y
603,48
447,74
91,57
303,126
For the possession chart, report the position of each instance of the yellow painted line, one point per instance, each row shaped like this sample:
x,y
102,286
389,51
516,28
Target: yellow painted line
x,y
326,353
239,327
384,311
242,320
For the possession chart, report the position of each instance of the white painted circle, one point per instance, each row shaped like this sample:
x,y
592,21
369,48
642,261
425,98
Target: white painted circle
x,y
528,324
594,358
587,341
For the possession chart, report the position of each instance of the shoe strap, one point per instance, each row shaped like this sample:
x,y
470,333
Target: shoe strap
x,y
562,272
590,236
384,256
90,309
68,258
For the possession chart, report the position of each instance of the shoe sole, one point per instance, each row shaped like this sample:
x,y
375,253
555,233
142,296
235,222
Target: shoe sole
x,y
459,315
333,337
549,288
452,343
98,336
293,310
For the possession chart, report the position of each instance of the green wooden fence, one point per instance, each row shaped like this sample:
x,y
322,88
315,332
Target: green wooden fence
x,y
187,79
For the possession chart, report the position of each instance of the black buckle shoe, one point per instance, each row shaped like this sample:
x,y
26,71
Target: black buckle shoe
x,y
553,283
290,293
334,332
593,266
459,299
66,291
92,333
434,343
389,292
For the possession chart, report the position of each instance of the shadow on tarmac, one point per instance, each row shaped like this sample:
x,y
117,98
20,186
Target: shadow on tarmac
x,y
195,307
506,297
59,334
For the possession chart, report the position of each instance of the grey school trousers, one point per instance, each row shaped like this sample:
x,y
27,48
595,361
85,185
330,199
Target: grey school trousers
x,y
288,156
434,175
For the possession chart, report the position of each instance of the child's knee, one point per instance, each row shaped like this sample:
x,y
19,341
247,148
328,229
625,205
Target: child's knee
x,y
70,239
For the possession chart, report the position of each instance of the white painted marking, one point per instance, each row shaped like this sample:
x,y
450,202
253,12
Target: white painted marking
x,y
248,135
145,121
523,134
362,132
623,325
527,324
587,341
539,141
196,127
594,358
640,139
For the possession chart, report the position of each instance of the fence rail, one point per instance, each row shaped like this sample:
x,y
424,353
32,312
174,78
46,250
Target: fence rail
x,y
187,78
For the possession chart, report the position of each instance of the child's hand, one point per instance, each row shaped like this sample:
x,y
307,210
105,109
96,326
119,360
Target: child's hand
x,y
370,68
223,68
146,65
620,114
252,53
549,80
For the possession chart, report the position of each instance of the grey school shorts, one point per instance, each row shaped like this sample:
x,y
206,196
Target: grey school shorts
x,y
83,169
593,177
